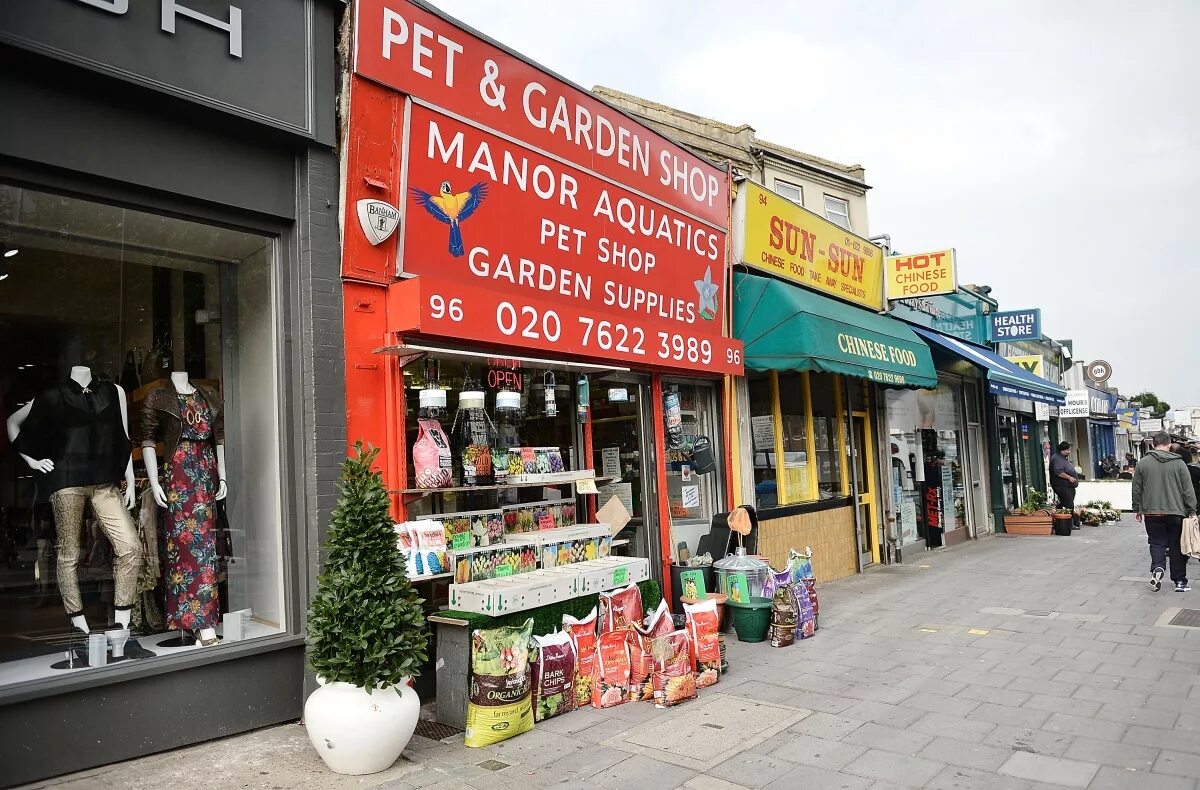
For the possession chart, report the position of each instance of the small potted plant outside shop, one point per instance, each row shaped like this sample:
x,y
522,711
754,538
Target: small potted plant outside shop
x,y
1032,518
367,635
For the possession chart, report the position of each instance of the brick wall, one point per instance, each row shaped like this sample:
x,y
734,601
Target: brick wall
x,y
322,368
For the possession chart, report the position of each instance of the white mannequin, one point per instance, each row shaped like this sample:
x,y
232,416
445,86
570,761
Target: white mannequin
x,y
83,377
184,386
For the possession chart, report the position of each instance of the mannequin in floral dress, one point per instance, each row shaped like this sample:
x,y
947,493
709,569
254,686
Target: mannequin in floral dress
x,y
188,421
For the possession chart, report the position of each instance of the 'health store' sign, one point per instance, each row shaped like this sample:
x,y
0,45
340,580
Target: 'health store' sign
x,y
1016,325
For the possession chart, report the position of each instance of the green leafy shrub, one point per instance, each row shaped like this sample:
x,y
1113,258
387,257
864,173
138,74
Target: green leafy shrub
x,y
1035,500
366,625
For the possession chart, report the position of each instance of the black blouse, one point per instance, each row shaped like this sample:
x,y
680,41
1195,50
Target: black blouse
x,y
80,430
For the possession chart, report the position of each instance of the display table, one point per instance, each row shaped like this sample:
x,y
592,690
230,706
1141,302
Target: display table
x,y
453,662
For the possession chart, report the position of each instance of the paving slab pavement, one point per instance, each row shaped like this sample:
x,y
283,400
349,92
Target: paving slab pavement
x,y
1010,662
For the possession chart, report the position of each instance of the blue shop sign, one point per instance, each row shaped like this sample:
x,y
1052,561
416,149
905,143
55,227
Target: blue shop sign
x,y
1016,325
1102,403
957,315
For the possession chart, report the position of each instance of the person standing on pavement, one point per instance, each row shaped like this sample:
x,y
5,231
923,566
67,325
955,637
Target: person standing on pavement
x,y
1064,481
1189,458
1163,495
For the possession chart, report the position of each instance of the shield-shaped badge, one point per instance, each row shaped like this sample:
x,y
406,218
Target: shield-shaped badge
x,y
378,219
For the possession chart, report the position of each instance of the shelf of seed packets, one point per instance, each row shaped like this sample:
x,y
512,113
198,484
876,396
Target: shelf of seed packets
x,y
615,655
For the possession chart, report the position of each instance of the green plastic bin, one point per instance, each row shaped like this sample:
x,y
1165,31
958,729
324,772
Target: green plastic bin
x,y
751,620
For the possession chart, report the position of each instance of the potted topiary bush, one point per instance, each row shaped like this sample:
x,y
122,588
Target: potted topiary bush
x,y
1032,518
366,632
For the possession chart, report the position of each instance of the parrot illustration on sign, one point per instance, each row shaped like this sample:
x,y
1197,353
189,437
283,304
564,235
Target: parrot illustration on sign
x,y
451,208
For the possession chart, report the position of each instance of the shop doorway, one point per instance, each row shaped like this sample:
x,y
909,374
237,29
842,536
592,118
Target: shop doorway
x,y
979,495
862,450
623,450
693,498
1010,460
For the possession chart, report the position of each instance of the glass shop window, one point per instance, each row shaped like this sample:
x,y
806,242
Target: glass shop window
x,y
795,438
518,413
694,474
803,478
762,430
828,435
132,345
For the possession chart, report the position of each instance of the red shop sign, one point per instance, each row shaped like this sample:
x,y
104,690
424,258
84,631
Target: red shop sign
x,y
405,47
541,253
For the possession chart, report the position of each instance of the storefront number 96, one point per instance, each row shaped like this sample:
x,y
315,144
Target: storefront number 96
x,y
440,307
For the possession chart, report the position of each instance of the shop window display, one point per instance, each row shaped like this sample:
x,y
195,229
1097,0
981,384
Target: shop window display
x,y
620,415
762,428
926,472
828,435
815,436
139,468
693,469
499,406
795,439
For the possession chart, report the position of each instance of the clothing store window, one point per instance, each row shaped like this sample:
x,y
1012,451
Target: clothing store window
x,y
134,348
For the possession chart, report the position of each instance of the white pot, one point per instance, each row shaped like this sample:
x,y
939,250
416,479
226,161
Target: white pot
x,y
360,733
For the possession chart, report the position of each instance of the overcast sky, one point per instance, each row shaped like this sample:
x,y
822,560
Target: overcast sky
x,y
1055,145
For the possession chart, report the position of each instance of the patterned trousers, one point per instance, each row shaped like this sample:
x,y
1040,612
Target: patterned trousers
x,y
69,505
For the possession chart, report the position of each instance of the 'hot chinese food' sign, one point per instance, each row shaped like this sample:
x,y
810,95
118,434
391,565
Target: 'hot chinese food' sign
x,y
535,215
774,235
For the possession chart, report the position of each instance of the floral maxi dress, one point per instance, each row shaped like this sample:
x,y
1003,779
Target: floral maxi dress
x,y
190,532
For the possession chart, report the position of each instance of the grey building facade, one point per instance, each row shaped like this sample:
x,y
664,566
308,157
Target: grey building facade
x,y
168,214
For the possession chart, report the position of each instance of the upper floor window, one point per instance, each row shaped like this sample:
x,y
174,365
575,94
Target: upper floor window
x,y
837,211
793,192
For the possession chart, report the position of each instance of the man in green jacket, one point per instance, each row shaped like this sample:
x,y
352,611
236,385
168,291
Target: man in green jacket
x,y
1162,497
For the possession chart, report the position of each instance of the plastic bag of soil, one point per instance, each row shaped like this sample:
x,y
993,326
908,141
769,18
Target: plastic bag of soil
x,y
620,609
641,663
500,704
702,629
582,634
553,676
610,674
802,573
673,679
783,616
806,624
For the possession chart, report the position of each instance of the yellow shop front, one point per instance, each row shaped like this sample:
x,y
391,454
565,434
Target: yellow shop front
x,y
806,304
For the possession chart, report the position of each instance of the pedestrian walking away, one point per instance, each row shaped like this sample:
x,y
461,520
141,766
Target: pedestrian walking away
x,y
1189,458
1064,481
1163,495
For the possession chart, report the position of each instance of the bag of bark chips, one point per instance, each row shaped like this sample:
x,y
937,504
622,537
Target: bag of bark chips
x,y
499,705
553,676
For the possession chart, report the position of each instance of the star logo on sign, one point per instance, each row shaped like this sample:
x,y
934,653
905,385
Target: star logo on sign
x,y
707,299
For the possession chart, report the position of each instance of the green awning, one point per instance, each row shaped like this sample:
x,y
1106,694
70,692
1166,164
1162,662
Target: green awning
x,y
785,327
